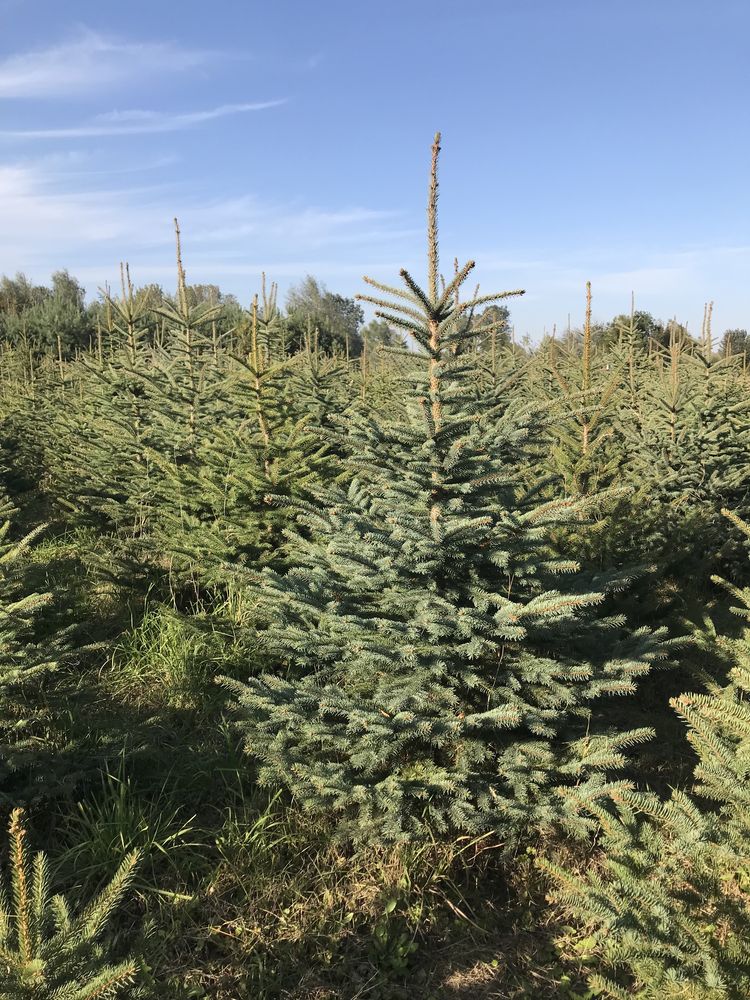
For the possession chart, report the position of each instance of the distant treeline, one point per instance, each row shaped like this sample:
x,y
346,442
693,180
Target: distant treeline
x,y
56,319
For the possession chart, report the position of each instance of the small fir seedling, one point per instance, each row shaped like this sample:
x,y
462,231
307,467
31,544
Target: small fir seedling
x,y
47,953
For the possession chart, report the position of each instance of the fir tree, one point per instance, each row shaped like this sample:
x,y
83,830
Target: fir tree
x,y
581,436
686,450
669,906
665,912
98,428
216,519
46,953
139,406
25,656
438,666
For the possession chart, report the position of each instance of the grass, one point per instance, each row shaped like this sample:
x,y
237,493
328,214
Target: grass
x,y
114,820
166,660
281,911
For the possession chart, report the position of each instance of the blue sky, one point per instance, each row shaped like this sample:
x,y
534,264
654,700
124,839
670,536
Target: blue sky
x,y
583,139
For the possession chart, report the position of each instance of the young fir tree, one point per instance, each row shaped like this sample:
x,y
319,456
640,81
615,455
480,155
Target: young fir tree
x,y
19,402
188,388
686,455
98,431
323,385
668,908
46,953
438,667
25,655
585,381
265,443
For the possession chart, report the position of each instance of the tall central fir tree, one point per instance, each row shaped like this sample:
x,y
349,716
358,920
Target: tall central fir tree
x,y
438,666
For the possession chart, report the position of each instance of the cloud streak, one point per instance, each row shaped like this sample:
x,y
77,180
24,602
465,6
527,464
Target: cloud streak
x,y
139,122
53,217
91,61
46,221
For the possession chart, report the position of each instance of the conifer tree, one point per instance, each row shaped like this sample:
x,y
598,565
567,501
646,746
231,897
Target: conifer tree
x,y
46,953
584,381
187,390
669,906
214,513
25,656
686,447
438,666
98,434
588,383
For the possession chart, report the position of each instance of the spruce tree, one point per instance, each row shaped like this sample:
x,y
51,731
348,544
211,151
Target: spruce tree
x,y
98,431
686,456
47,953
664,912
214,515
585,385
438,666
668,906
26,654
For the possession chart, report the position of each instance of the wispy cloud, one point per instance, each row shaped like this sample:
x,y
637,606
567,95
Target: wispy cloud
x,y
91,60
137,122
47,221
220,223
57,210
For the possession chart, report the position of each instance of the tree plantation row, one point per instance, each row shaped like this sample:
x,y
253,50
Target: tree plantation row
x,y
404,661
